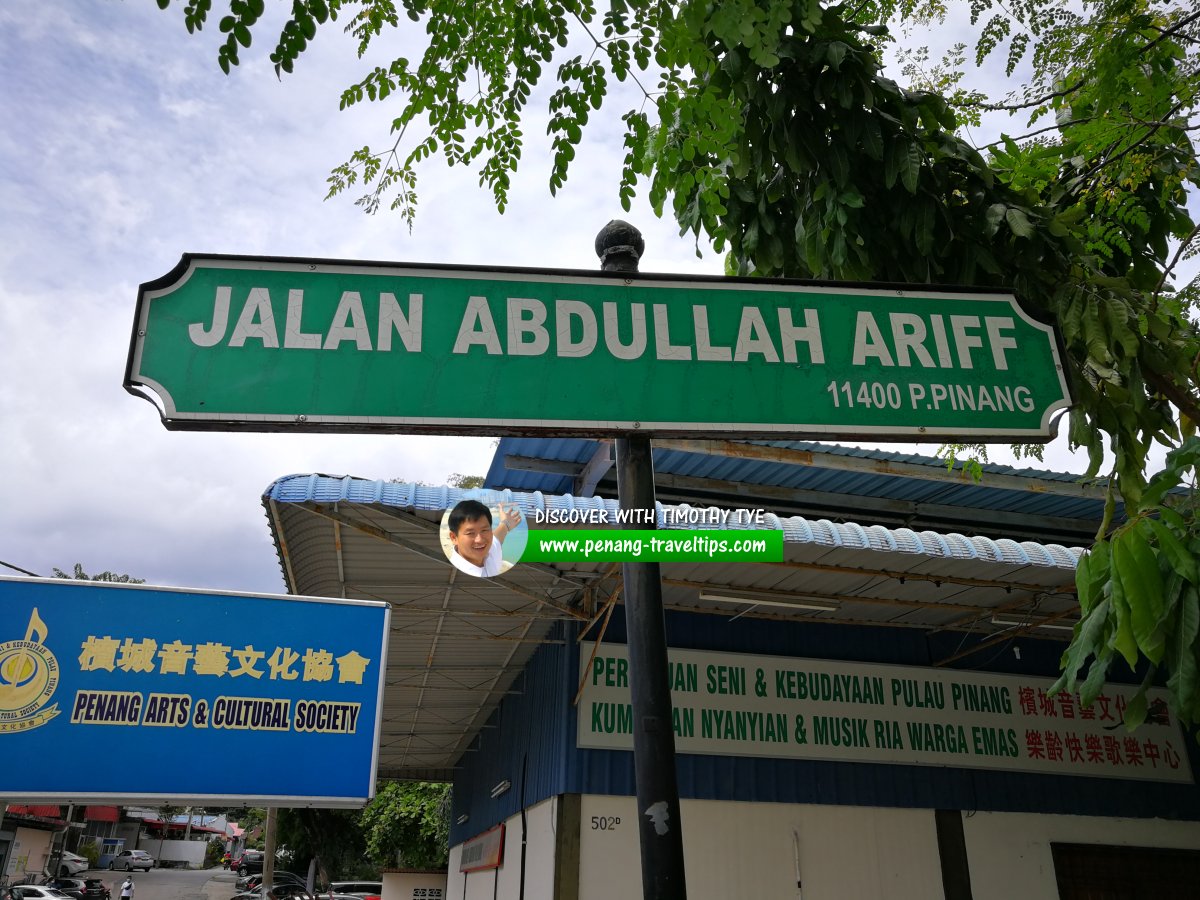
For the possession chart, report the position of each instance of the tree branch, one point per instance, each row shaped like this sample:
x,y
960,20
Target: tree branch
x,y
1184,401
1174,30
1054,127
1179,251
1013,107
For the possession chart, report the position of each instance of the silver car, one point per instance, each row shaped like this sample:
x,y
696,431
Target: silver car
x,y
129,860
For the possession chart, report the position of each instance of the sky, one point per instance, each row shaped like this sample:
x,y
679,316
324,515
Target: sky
x,y
124,146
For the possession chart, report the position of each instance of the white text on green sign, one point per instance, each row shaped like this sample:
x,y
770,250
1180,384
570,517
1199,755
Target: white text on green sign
x,y
327,345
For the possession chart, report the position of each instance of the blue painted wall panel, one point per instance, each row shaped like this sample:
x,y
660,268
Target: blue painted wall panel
x,y
540,725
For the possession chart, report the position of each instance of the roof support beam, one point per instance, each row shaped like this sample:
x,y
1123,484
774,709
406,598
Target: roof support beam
x,y
594,470
1008,635
537,464
751,593
939,579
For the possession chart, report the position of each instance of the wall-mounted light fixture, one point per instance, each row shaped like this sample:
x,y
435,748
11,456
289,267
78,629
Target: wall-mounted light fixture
x,y
461,820
798,603
500,788
1015,622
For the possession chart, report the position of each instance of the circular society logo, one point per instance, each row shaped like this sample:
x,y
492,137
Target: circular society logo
x,y
29,676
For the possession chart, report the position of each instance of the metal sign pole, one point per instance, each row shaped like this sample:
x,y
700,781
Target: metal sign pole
x,y
619,246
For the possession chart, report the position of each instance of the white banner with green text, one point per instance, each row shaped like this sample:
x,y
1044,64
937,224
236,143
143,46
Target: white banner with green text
x,y
735,704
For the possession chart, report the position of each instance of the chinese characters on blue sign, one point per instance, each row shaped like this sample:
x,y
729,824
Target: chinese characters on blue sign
x,y
187,694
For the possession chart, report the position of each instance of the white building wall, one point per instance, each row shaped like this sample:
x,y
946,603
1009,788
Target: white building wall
x,y
190,852
756,851
753,851
539,854
414,886
540,829
732,851
1009,853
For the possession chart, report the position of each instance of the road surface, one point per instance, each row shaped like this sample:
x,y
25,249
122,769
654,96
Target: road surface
x,y
170,884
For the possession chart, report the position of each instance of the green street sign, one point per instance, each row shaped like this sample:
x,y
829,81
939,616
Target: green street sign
x,y
231,342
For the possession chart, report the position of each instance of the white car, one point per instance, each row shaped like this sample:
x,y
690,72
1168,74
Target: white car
x,y
132,859
71,864
34,892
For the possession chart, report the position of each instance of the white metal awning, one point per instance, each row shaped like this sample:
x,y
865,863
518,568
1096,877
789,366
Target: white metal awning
x,y
458,642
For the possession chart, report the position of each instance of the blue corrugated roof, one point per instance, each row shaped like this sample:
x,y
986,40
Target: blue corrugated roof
x,y
796,529
778,474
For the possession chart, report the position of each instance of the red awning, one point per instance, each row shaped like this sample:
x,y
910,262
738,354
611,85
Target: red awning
x,y
45,812
102,814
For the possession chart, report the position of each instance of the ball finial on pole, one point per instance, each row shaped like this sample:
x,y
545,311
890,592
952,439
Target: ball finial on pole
x,y
619,246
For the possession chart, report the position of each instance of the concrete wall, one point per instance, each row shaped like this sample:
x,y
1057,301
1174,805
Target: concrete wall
x,y
414,886
29,853
190,852
759,851
1009,853
487,884
732,851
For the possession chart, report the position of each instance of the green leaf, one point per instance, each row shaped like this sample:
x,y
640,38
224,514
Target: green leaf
x,y
1085,643
1182,683
1018,222
1122,638
994,216
1092,573
1180,559
835,54
1094,683
1143,580
910,168
1135,711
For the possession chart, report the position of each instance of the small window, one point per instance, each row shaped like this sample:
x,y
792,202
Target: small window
x,y
1087,871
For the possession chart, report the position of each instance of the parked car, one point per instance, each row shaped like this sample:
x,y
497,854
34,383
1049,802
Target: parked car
x,y
132,859
72,887
34,892
251,861
287,890
95,889
252,882
365,889
71,864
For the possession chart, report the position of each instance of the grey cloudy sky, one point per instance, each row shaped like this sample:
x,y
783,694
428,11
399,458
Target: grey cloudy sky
x,y
122,147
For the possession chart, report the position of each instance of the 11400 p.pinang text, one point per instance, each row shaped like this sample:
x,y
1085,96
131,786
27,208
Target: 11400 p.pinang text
x,y
575,329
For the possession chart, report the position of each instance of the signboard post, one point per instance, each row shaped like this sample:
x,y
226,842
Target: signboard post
x,y
190,696
281,344
660,829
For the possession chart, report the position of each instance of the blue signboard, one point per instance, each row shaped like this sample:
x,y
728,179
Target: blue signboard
x,y
131,693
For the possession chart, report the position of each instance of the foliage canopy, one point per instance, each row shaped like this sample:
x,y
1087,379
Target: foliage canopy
x,y
768,129
77,574
407,823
